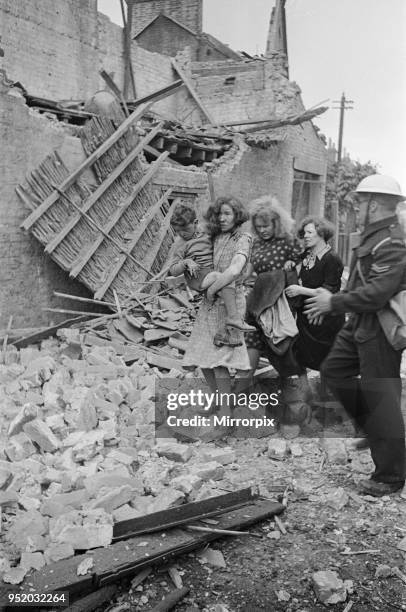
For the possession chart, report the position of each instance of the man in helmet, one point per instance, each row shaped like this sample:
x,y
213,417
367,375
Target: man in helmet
x,y
362,368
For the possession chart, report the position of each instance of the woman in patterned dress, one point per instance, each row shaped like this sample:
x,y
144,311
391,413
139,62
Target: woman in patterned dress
x,y
231,253
274,248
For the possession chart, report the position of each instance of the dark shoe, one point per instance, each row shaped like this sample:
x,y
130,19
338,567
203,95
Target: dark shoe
x,y
378,489
361,444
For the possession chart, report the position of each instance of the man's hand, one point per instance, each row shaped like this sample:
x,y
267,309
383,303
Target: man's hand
x,y
191,266
319,304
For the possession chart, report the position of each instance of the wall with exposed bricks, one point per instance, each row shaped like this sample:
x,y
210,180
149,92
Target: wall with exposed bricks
x,y
28,277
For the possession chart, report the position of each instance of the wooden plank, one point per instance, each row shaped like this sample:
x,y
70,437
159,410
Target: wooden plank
x,y
159,94
143,225
128,557
155,153
47,332
192,91
163,230
115,89
68,182
82,261
51,246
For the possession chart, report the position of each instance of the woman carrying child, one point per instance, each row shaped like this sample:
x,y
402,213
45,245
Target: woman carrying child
x,y
230,253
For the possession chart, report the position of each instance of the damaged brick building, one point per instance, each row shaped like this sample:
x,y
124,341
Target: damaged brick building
x,y
249,118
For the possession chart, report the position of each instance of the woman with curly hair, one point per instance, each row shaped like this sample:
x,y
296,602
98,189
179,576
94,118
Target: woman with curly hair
x,y
274,248
320,267
231,253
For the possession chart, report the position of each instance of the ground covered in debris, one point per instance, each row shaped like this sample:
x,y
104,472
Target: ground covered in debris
x,y
78,454
329,527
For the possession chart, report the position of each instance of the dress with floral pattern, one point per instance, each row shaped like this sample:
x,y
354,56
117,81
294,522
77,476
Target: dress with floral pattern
x,y
269,255
201,350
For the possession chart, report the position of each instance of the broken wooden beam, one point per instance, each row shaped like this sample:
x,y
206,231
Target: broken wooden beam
x,y
128,557
192,92
89,161
93,600
46,332
159,94
175,517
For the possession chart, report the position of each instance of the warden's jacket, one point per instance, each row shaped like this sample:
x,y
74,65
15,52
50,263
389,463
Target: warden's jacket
x,y
382,256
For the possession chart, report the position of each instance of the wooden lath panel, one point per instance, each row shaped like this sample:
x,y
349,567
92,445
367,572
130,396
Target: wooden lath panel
x,y
111,234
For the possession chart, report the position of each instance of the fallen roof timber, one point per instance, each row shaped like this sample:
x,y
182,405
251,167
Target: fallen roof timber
x,y
129,556
113,235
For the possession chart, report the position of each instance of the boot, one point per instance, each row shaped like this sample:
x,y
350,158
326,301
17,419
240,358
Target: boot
x,y
233,319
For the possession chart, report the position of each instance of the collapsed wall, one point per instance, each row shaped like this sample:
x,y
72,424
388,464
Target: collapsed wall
x,y
28,278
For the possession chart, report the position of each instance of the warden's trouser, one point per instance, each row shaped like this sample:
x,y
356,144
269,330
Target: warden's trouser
x,y
373,399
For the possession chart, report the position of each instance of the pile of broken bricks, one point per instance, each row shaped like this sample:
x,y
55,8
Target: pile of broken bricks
x,y
79,452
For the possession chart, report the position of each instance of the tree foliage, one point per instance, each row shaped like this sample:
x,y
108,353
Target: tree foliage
x,y
342,178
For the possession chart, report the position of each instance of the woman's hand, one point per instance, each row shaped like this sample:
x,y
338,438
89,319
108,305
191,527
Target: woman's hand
x,y
289,265
293,291
191,266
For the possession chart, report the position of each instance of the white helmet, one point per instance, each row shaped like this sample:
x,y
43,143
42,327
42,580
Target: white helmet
x,y
380,183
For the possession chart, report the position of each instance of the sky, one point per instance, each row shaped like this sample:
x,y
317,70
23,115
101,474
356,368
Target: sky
x,y
353,46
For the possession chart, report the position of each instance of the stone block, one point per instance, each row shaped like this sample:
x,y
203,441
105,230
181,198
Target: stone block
x,y
223,455
174,451
75,498
121,457
277,449
30,560
329,588
39,370
83,529
110,499
212,557
208,471
125,513
19,447
57,552
336,450
15,575
26,525
189,483
114,478
55,422
168,498
54,509
88,446
88,417
41,434
27,413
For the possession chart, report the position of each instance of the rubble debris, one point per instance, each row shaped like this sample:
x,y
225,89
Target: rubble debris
x,y
336,451
329,588
277,449
212,557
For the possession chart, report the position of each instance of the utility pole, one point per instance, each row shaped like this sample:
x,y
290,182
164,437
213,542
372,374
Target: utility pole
x,y
343,107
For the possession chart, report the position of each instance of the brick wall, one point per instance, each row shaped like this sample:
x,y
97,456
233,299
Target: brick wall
x,y
166,37
187,12
273,169
256,90
28,277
